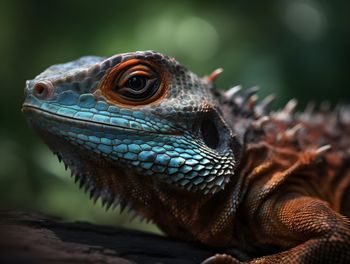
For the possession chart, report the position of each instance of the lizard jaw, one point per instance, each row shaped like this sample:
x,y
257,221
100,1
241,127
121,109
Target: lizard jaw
x,y
44,114
181,165
104,181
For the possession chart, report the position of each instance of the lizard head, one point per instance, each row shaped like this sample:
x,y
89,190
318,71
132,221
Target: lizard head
x,y
131,121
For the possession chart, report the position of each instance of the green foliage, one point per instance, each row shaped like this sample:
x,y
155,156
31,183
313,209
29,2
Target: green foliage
x,y
294,48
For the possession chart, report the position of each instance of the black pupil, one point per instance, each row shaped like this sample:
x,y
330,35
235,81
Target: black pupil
x,y
137,83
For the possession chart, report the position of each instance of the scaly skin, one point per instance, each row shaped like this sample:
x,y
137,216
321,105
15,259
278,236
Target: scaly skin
x,y
140,130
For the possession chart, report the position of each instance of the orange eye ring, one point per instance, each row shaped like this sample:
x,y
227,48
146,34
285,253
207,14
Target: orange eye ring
x,y
134,83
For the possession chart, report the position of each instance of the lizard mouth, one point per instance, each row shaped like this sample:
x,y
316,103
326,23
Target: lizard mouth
x,y
29,109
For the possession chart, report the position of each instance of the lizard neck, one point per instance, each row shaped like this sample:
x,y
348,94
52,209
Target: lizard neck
x,y
193,216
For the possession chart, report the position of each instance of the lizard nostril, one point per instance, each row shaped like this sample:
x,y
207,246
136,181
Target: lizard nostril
x,y
210,134
43,90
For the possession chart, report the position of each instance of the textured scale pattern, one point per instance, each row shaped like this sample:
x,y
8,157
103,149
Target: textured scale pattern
x,y
203,164
153,150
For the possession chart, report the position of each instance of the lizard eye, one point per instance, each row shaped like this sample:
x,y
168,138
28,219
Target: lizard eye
x,y
137,83
134,82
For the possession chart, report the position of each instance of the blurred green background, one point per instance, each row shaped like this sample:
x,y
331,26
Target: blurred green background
x,y
295,48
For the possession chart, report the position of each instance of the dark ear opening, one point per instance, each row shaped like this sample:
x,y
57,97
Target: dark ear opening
x,y
210,133
217,135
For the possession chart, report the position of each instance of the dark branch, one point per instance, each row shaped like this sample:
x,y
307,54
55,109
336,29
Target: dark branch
x,y
34,238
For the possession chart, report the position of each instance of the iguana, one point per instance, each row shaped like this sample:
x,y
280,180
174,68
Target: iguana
x,y
140,130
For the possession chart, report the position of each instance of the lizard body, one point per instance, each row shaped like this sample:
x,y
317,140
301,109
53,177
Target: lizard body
x,y
140,130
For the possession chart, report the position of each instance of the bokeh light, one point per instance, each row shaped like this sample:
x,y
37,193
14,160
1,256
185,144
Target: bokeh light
x,y
305,19
197,38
